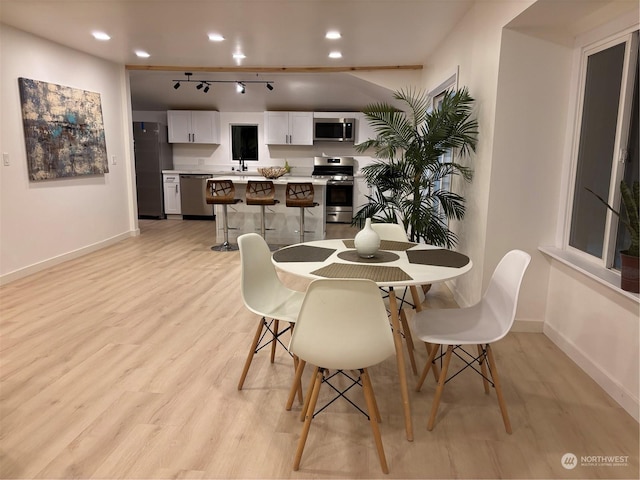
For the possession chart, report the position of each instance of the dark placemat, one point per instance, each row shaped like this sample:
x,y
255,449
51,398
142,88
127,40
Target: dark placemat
x,y
380,257
438,257
386,245
303,253
377,273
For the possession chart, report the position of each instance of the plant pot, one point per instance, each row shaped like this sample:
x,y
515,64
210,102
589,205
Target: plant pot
x,y
630,280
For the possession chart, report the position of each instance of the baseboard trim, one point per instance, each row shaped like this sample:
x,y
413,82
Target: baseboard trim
x,y
614,389
38,267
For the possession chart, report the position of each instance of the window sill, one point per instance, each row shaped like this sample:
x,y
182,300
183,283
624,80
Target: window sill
x,y
601,275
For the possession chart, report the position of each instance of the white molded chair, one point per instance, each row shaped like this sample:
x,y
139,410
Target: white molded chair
x,y
265,295
342,326
481,324
396,233
390,231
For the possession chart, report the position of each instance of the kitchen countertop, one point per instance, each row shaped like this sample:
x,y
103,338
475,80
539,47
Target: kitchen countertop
x,y
244,177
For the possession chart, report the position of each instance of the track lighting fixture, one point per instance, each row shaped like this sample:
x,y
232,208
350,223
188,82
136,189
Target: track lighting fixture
x,y
205,85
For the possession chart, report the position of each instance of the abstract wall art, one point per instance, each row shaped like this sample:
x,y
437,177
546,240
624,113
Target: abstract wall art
x,y
63,130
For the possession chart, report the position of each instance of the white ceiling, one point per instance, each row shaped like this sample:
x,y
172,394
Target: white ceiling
x,y
280,34
282,39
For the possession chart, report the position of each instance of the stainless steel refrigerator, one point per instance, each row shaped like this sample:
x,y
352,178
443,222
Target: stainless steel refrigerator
x,y
152,155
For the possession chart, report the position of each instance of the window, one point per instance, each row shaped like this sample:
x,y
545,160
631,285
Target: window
x,y
244,142
606,150
437,95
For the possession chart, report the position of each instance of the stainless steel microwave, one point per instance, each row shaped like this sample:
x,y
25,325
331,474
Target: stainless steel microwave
x,y
334,129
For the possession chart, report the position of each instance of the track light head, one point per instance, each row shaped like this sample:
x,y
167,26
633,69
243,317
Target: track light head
x,y
206,88
199,86
269,87
240,88
177,85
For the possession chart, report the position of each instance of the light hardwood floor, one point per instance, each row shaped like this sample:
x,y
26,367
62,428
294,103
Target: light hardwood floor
x,y
124,364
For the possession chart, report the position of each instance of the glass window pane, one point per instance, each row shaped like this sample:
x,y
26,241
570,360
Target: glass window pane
x,y
244,142
595,153
631,172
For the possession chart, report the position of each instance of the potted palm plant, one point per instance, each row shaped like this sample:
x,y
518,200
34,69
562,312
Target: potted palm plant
x,y
412,147
629,258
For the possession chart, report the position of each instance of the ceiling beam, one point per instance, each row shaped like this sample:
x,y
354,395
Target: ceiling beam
x,y
173,68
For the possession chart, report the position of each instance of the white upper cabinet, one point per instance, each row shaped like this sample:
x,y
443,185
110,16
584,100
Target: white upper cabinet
x,y
364,131
289,128
193,126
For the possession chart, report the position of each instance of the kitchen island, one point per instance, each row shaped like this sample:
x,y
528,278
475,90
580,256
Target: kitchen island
x,y
282,222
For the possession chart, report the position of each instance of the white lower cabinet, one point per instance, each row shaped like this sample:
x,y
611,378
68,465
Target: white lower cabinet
x,y
171,185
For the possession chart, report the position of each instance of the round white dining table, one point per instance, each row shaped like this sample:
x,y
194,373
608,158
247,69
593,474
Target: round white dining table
x,y
397,264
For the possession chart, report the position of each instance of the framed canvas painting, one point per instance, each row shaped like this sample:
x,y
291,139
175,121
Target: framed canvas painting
x,y
63,131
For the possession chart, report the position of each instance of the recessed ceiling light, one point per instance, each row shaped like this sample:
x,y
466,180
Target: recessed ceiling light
x,y
216,37
239,56
142,54
101,36
335,55
332,35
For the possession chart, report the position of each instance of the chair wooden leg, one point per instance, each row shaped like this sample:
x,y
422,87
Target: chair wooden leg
x,y
373,419
443,378
418,307
308,417
483,369
274,342
373,397
307,398
434,367
297,382
408,340
496,383
427,367
296,362
252,351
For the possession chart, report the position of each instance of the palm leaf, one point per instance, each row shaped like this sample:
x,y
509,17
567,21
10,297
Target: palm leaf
x,y
410,145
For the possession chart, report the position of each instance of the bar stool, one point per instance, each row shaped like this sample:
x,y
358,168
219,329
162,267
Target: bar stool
x,y
222,192
262,193
300,195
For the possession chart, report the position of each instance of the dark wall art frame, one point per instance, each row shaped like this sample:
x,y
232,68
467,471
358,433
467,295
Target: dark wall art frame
x,y
63,131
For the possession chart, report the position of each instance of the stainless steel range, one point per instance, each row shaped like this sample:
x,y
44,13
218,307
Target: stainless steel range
x,y
338,171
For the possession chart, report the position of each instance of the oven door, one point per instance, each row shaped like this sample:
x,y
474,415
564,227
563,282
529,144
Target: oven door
x,y
339,205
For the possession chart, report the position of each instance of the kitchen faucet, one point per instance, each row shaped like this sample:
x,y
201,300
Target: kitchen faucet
x,y
243,167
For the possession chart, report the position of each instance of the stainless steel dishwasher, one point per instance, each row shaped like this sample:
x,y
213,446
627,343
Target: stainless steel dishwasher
x,y
193,196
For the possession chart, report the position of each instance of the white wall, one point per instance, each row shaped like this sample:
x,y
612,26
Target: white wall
x,y
474,46
524,87
595,325
598,329
45,222
529,140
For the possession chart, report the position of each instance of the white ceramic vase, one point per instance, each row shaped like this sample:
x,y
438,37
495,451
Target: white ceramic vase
x,y
367,241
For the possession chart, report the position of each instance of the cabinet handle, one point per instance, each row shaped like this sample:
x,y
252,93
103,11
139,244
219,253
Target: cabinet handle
x,y
193,137
176,188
